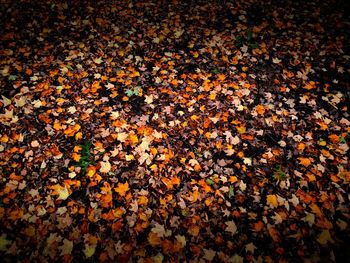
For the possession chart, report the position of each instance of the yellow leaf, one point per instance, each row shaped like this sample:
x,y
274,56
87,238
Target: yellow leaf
x,y
153,167
272,200
325,237
3,242
241,129
322,142
233,179
133,139
67,247
91,170
78,135
194,117
63,194
129,157
89,250
122,136
212,96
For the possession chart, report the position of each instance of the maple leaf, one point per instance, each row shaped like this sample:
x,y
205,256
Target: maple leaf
x,y
105,167
35,144
122,136
258,226
133,139
89,250
276,60
121,189
98,61
159,230
76,157
153,239
231,227
67,247
250,248
63,193
5,101
149,99
274,234
304,161
260,109
325,237
209,254
272,200
181,240
247,161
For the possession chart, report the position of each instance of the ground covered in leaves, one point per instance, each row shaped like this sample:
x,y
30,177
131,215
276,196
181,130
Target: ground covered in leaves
x,y
172,131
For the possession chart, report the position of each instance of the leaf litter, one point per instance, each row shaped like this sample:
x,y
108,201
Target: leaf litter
x,y
174,131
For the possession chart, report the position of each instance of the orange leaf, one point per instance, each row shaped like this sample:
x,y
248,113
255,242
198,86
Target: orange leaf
x,y
106,200
57,125
258,226
274,235
334,138
153,239
76,157
221,77
133,139
77,148
301,146
121,189
304,161
260,109
143,200
310,85
233,179
70,131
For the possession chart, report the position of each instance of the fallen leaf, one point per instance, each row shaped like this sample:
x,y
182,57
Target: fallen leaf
x,y
231,227
105,167
272,200
121,189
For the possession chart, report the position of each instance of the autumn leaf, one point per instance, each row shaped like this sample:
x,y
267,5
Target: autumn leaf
x,y
71,130
325,237
67,247
121,188
260,109
304,161
231,227
63,194
334,138
76,157
89,250
272,200
105,167
258,226
4,242
274,234
133,139
153,239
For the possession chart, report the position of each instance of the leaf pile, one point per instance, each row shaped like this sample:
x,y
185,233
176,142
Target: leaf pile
x,y
174,131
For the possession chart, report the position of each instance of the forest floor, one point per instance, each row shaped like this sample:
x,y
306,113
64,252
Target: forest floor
x,y
174,131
